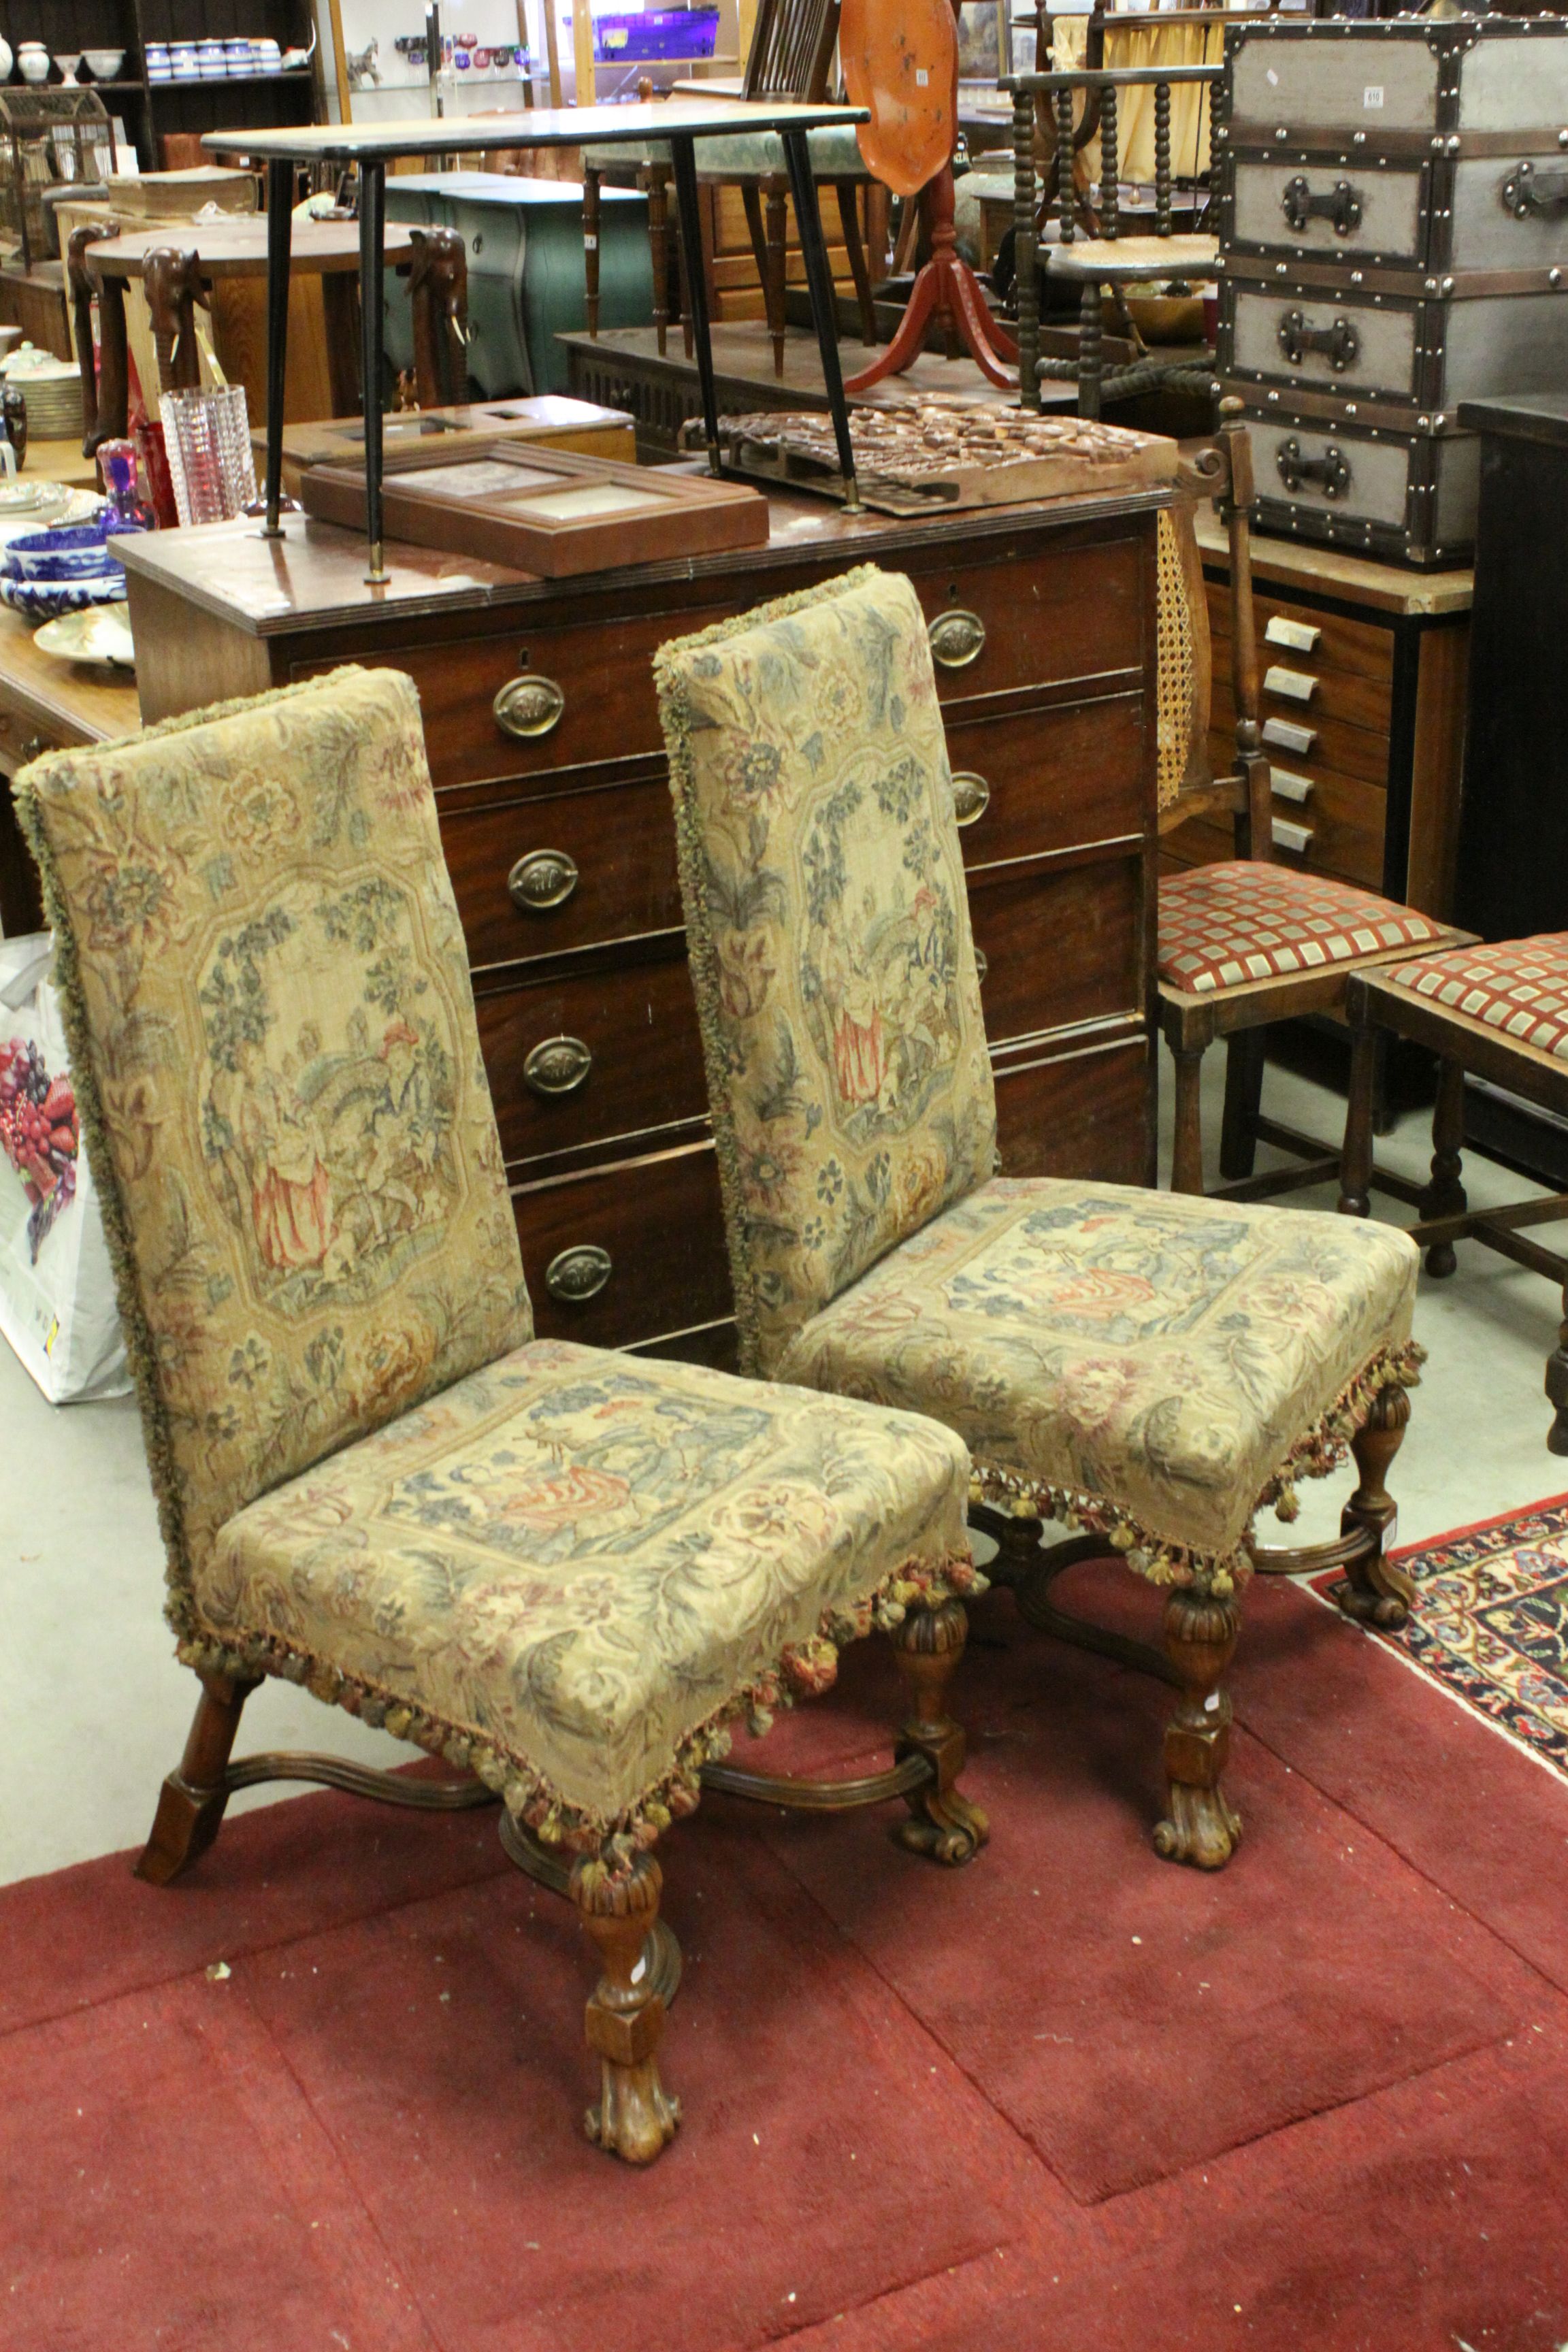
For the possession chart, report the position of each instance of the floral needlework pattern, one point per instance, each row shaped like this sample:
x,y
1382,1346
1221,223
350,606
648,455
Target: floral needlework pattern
x,y
830,939
588,1561
1151,1363
256,925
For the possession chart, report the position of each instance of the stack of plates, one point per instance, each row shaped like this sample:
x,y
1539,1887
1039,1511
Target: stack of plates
x,y
64,569
52,390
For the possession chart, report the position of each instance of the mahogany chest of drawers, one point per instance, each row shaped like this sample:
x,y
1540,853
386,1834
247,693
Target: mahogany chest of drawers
x,y
542,731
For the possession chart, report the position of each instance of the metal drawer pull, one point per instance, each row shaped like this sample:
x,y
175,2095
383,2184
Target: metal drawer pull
x,y
542,881
574,1275
1340,344
982,965
1284,735
1295,685
528,707
1287,835
957,638
971,795
1535,188
557,1065
1289,785
1299,635
1330,472
1340,205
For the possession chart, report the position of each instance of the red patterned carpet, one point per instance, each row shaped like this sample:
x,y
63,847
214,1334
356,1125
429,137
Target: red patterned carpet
x,y
1069,2097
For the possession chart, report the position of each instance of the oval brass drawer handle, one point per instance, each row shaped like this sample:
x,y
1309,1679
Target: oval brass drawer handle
x,y
574,1275
971,795
957,638
557,1065
528,707
544,879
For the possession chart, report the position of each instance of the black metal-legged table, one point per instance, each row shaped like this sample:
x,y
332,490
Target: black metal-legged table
x,y
371,146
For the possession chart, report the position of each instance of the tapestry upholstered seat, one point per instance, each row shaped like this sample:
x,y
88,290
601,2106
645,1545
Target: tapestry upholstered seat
x,y
562,1570
1146,1366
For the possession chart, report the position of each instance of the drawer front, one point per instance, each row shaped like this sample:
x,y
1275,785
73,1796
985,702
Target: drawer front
x,y
1326,342
1047,779
542,875
1310,687
1340,649
1059,948
1369,479
1343,818
1487,231
1083,1114
615,1054
1353,751
1329,85
1386,209
628,1251
1035,619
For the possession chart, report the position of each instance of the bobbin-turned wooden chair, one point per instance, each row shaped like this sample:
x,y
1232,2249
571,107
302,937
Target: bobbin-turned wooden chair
x,y
561,1569
1245,942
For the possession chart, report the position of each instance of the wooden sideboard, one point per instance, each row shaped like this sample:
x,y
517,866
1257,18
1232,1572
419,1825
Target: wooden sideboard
x,y
544,745
1363,697
44,704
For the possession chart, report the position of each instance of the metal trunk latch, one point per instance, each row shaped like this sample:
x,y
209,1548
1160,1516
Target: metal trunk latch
x,y
1340,344
1339,204
1330,473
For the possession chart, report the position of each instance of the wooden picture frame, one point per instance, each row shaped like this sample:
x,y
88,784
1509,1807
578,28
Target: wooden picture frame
x,y
550,512
548,418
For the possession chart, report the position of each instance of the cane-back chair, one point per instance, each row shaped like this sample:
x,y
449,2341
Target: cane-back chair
x,y
1145,1367
1245,941
562,1569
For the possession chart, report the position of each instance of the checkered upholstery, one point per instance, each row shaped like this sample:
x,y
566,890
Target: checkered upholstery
x,y
1519,987
1223,925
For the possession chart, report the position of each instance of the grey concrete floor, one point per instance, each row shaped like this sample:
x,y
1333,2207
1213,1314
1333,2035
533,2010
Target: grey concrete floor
x,y
95,1708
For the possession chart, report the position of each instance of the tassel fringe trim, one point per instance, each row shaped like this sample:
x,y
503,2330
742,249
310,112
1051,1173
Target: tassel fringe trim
x,y
805,1669
1315,1455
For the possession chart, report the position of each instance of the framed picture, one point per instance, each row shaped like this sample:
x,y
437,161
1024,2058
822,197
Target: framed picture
x,y
984,41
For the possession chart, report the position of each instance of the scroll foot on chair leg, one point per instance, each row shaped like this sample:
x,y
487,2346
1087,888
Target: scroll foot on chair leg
x,y
1373,1591
619,1906
942,1822
1199,1637
193,1801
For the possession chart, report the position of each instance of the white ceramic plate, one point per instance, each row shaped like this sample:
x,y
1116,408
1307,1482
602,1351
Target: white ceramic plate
x,y
101,635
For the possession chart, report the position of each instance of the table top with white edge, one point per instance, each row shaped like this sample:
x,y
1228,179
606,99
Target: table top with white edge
x,y
551,126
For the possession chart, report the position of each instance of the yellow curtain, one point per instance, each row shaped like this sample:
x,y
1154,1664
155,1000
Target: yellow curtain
x,y
1142,45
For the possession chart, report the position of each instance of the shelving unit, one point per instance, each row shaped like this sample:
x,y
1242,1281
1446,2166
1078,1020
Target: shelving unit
x,y
151,110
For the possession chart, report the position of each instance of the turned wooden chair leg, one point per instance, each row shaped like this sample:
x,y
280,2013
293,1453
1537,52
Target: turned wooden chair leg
x,y
1199,1637
1356,1153
1187,1150
591,231
618,1904
659,249
1373,1591
1445,1194
942,1822
847,193
1557,1385
192,1801
775,269
1244,1054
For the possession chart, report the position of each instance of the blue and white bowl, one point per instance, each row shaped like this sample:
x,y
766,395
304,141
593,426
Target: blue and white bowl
x,y
46,600
76,550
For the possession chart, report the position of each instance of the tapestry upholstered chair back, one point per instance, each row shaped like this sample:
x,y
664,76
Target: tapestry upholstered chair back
x,y
830,944
265,973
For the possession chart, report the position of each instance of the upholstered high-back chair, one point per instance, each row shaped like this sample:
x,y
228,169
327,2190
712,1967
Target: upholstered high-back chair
x,y
560,1569
1143,1366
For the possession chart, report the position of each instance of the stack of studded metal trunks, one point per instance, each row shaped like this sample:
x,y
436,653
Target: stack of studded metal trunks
x,y
1394,230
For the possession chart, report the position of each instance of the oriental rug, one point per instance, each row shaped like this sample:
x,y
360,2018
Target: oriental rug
x,y
1491,1622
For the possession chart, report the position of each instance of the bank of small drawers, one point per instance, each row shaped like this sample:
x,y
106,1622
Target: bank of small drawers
x,y
1326,703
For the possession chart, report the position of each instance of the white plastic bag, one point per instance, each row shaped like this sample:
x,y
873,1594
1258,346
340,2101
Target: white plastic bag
x,y
56,1289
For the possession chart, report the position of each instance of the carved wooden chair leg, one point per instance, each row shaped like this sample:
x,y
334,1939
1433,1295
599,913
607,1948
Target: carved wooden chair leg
x,y
1445,1195
776,269
848,195
1187,1153
1036,1607
113,419
1373,1591
1355,1155
1245,1055
591,231
942,1822
618,1905
192,1801
1200,1635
